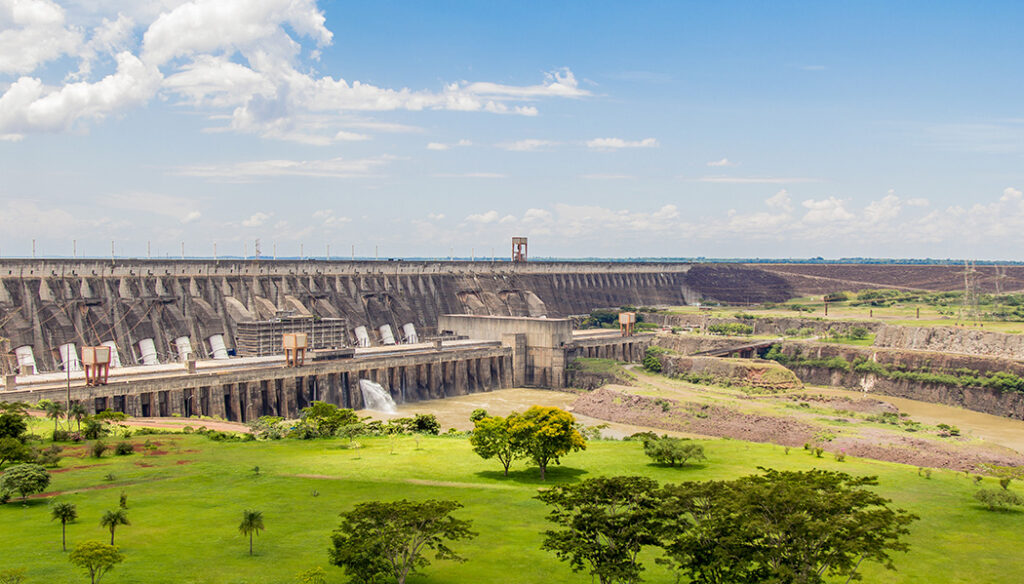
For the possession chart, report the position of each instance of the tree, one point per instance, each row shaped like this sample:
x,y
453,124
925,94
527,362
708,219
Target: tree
x,y
78,413
65,513
325,419
605,522
111,519
25,479
546,434
782,526
96,557
492,438
54,411
12,425
668,450
381,540
252,523
12,450
998,499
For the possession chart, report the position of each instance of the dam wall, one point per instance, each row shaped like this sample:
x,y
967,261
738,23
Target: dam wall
x,y
159,311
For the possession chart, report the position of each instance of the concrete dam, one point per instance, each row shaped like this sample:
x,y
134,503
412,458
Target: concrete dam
x,y
160,311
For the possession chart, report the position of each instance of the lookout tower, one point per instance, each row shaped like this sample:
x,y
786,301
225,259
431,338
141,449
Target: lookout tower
x,y
518,249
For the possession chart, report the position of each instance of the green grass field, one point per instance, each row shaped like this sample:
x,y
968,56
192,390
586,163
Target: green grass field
x,y
186,500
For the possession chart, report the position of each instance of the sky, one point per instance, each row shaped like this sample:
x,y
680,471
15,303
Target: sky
x,y
428,128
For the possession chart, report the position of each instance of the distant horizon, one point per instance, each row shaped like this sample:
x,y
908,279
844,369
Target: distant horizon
x,y
503,259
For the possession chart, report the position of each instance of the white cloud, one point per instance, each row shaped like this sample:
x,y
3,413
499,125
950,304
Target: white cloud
x,y
780,200
242,59
487,217
329,219
886,209
536,215
444,146
557,84
617,143
1010,194
329,168
34,32
722,162
918,202
435,216
606,176
29,106
826,211
528,145
256,220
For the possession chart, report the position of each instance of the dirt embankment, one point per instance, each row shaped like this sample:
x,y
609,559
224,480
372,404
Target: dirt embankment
x,y
751,372
693,417
969,341
589,380
762,325
690,344
726,422
980,399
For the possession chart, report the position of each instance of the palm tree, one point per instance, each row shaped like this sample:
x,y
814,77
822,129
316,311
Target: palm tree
x,y
76,411
111,519
252,522
65,513
54,411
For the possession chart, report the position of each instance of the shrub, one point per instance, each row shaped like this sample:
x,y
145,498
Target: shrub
x,y
61,435
730,328
124,448
667,450
998,499
98,448
49,456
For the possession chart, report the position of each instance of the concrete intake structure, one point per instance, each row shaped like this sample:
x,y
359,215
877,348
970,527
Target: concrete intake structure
x,y
143,307
244,389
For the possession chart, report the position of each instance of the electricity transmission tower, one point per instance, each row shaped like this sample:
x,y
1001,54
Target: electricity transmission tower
x,y
969,306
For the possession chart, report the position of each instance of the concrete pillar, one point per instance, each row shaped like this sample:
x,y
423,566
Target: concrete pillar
x,y
517,342
132,405
461,377
176,402
217,402
486,380
557,377
237,403
435,380
354,392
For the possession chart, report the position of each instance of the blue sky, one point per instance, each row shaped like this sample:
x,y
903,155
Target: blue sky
x,y
750,129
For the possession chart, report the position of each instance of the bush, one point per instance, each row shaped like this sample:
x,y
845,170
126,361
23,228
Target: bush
x,y
61,435
730,328
50,456
98,448
667,450
124,448
998,499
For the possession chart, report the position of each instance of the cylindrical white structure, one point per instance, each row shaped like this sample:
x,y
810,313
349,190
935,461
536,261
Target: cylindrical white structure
x,y
115,359
148,349
184,348
69,357
362,336
409,330
386,337
26,358
220,351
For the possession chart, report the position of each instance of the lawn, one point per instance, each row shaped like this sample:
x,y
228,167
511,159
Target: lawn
x,y
185,500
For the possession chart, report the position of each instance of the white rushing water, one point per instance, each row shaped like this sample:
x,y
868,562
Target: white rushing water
x,y
375,397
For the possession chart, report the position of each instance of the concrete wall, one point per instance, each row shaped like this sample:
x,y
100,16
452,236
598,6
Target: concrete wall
x,y
46,303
